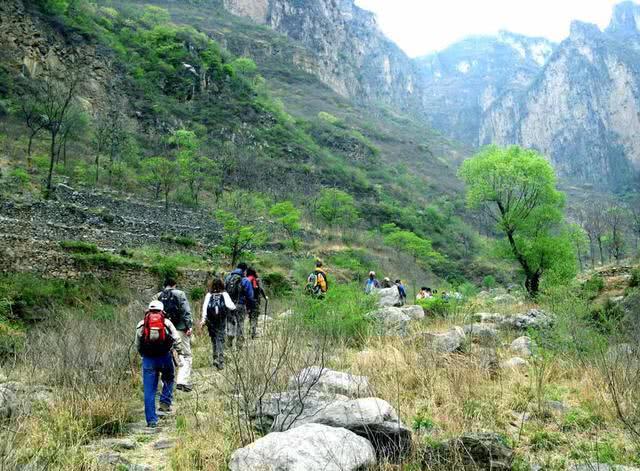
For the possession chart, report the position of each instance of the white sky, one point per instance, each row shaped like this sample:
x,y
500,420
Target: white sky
x,y
423,26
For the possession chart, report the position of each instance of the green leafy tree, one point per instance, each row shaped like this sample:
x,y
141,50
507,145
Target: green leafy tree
x,y
288,216
580,241
419,248
517,189
336,208
239,240
162,173
197,171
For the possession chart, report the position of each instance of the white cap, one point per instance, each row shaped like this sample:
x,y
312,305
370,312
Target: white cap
x,y
156,306
386,278
372,273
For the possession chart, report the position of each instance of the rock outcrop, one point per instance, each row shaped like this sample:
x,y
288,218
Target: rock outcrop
x,y
325,380
311,447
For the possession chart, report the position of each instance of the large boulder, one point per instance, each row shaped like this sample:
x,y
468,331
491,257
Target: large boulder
x,y
445,342
388,297
371,418
391,321
310,447
534,318
414,311
484,334
330,381
477,451
278,412
8,402
522,346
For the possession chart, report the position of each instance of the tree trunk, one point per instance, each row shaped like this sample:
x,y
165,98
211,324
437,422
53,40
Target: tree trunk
x,y
532,283
601,252
97,168
51,162
166,200
29,147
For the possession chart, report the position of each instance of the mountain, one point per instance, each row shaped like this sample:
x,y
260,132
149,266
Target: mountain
x,y
583,109
462,82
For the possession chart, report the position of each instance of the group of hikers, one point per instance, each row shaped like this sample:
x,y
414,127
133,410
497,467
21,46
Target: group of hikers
x,y
372,284
163,337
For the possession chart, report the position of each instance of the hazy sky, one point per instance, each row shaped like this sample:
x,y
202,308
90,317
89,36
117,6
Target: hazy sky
x,y
423,26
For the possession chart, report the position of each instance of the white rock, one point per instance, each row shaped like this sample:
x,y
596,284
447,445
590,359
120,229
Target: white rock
x,y
522,346
391,321
414,312
388,297
336,382
445,342
515,363
311,447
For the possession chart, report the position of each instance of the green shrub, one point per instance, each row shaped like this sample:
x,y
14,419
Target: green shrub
x,y
489,282
437,306
634,282
77,246
197,294
19,176
423,421
183,241
12,338
541,440
607,317
341,315
276,284
580,419
593,287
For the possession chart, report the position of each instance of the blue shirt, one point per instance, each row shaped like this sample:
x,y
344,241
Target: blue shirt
x,y
246,293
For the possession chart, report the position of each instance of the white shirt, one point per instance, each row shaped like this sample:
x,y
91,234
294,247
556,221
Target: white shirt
x,y
227,302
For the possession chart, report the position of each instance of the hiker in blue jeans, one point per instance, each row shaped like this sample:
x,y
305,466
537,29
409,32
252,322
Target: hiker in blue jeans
x,y
156,337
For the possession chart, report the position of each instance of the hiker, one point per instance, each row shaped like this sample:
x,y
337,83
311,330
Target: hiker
x,y
424,293
317,284
372,283
386,283
402,292
240,290
258,293
177,309
216,308
156,336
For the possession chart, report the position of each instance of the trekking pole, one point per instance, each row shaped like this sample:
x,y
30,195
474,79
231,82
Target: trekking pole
x,y
266,309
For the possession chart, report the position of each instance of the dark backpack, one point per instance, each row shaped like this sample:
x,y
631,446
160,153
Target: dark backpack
x,y
155,340
216,306
171,305
233,286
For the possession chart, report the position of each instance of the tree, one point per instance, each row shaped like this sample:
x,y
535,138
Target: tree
x,y
592,221
419,248
517,189
288,216
73,126
164,174
197,170
634,211
615,217
30,111
336,208
580,240
238,240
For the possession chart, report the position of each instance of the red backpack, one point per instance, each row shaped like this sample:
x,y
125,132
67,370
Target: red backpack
x,y
155,341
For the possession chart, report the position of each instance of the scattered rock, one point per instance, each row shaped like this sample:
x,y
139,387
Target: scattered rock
x,y
337,382
370,418
446,342
522,346
601,467
388,297
515,363
119,444
557,406
8,402
391,321
311,447
484,334
534,318
111,458
277,412
489,359
140,428
415,312
164,444
287,314
474,451
505,299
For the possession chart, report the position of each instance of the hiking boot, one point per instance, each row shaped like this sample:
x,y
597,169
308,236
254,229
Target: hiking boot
x,y
164,407
184,388
152,425
218,365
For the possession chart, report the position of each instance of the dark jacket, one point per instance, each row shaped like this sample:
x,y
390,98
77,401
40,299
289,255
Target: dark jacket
x,y
186,320
246,293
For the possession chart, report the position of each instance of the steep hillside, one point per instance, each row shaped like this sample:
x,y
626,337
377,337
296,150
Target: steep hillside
x,y
582,111
462,82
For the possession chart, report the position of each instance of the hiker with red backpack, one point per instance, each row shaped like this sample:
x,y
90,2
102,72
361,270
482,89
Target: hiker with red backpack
x,y
240,290
177,309
258,292
216,308
156,337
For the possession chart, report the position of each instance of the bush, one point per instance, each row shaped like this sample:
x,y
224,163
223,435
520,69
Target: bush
x,y
489,282
607,317
79,247
437,306
634,282
183,241
19,176
593,287
276,284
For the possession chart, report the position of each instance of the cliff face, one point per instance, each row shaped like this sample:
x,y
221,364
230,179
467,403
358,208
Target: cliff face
x,y
583,110
350,54
462,82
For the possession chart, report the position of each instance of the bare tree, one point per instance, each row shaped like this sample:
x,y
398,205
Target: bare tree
x,y
110,132
634,213
592,221
30,111
615,217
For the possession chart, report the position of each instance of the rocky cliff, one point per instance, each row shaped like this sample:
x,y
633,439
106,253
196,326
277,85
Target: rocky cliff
x,y
583,110
462,82
350,53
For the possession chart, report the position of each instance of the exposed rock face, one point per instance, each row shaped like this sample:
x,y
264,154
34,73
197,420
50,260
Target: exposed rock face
x,y
350,54
472,451
462,82
310,447
582,111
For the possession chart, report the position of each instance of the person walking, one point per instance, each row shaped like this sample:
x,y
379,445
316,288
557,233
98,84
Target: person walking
x,y
317,283
156,336
372,283
240,290
178,311
215,310
386,283
402,292
258,293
